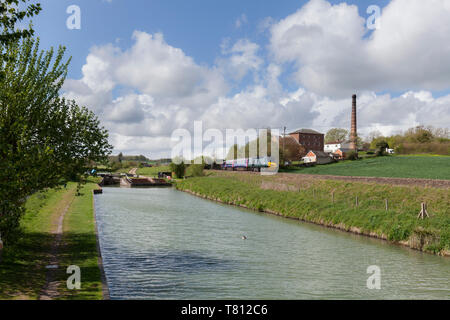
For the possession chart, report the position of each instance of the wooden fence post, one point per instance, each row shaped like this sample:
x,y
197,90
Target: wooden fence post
x,y
357,202
332,196
423,212
386,204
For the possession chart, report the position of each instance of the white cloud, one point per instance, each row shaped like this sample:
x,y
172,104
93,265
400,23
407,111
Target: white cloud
x,y
155,68
164,88
335,56
142,94
241,59
386,113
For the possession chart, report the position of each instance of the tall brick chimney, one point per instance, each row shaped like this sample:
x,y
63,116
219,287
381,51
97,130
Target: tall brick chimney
x,y
353,131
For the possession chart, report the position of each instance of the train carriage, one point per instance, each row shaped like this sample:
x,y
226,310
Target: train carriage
x,y
248,164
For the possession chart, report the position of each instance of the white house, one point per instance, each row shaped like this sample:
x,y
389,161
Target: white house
x,y
332,147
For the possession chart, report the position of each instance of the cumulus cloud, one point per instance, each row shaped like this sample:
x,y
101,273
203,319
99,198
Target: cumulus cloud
x,y
386,113
162,82
335,55
241,59
145,92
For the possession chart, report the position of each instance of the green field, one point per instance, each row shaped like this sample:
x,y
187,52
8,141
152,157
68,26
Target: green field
x,y
312,200
22,270
153,171
426,167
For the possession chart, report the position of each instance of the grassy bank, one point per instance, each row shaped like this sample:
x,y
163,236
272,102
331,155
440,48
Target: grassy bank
x,y
81,247
23,272
153,171
425,167
312,201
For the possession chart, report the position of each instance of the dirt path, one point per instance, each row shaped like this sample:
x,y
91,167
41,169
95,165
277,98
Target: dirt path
x,y
50,289
132,171
295,177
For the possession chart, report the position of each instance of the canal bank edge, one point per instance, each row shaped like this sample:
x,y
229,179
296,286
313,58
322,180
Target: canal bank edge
x,y
105,288
355,230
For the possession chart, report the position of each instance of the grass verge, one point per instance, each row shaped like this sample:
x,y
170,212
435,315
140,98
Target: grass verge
x,y
422,167
22,270
80,247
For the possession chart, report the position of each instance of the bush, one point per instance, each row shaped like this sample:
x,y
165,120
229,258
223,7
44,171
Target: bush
x,y
352,155
441,148
195,170
179,169
114,166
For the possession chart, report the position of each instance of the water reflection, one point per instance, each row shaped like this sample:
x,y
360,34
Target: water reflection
x,y
165,244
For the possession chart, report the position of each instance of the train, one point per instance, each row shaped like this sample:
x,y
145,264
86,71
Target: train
x,y
249,164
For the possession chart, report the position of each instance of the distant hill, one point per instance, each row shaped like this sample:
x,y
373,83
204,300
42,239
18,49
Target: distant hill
x,y
140,158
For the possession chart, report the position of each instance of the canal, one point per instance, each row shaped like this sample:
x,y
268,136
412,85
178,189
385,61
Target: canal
x,y
165,244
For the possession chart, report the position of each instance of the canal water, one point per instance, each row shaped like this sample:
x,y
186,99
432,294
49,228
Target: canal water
x,y
165,244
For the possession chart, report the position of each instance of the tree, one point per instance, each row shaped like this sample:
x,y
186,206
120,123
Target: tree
x,y
336,135
45,140
195,170
424,135
11,13
382,146
420,134
351,155
120,157
255,148
374,135
179,168
233,152
359,142
292,150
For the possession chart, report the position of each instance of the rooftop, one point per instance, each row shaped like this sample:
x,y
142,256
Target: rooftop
x,y
306,131
320,154
339,142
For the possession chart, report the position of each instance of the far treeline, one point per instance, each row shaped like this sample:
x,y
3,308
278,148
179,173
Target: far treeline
x,y
417,140
120,161
45,139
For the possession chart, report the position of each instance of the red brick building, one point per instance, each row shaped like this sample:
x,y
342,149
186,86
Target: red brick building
x,y
310,139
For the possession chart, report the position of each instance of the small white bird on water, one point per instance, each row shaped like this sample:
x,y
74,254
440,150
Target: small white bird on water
x,y
244,238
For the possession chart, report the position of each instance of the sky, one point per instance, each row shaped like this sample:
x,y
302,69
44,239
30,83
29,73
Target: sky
x,y
148,68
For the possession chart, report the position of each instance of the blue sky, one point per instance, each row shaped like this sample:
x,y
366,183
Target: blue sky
x,y
196,26
147,68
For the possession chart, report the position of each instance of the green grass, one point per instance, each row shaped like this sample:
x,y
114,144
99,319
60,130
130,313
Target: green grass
x,y
22,270
80,247
426,167
311,200
153,171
